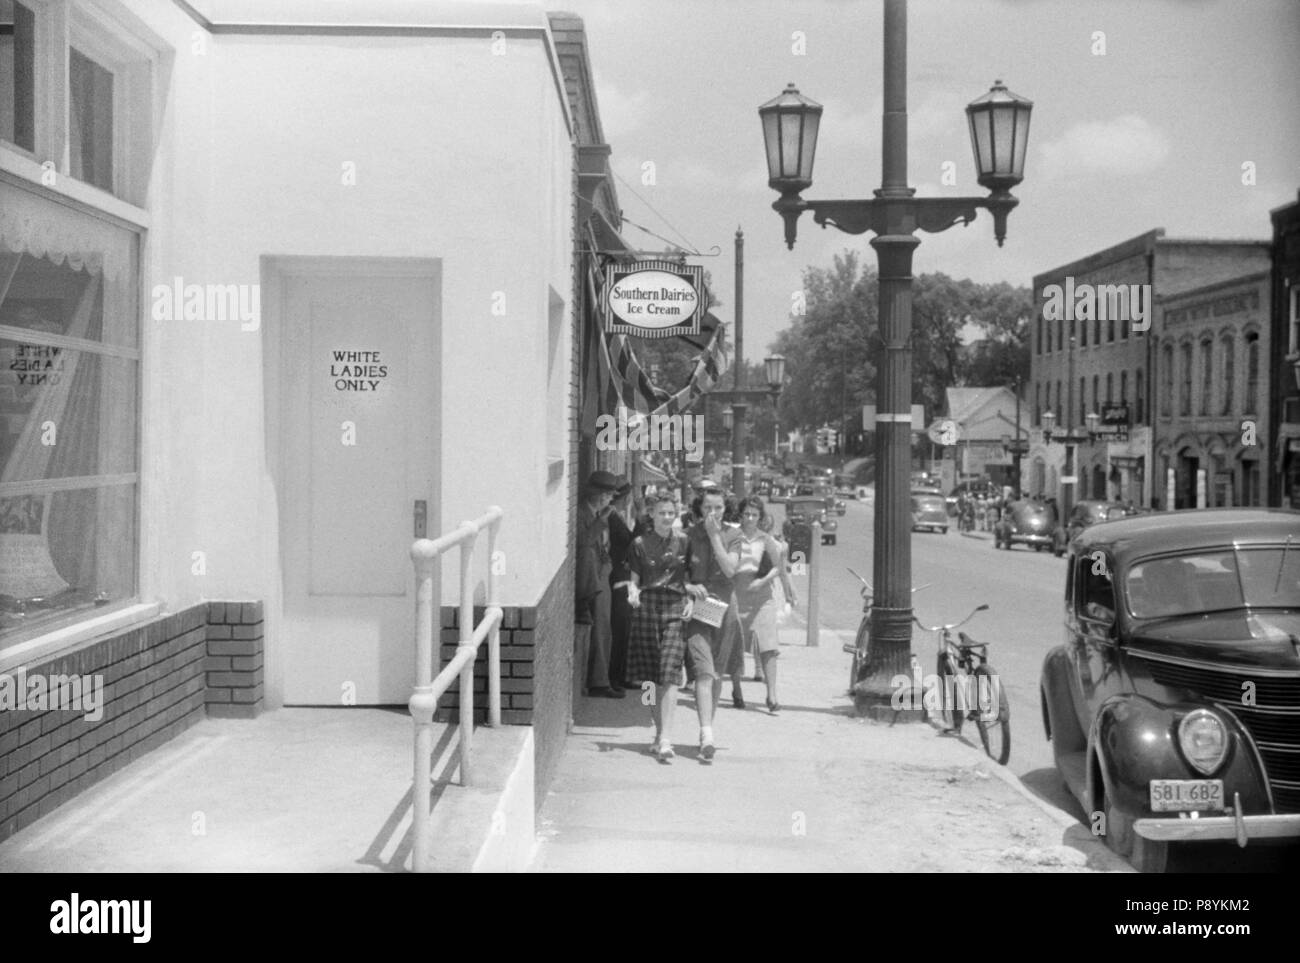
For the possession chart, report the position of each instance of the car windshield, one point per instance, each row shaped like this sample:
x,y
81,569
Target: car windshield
x,y
927,501
1212,581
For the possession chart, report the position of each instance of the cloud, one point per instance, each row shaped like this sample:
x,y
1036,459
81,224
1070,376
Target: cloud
x,y
621,113
1126,145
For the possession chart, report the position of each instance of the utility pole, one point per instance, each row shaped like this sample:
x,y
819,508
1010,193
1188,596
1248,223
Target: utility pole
x,y
738,406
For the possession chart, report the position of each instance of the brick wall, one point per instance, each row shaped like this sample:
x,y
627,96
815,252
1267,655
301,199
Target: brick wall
x,y
154,681
234,660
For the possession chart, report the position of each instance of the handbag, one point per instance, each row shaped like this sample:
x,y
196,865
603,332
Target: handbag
x,y
710,611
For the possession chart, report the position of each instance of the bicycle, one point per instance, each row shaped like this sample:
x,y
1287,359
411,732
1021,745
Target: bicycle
x,y
961,667
861,646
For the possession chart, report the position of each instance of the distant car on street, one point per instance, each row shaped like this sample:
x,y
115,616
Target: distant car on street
x,y
1170,619
1026,522
1084,514
797,529
929,512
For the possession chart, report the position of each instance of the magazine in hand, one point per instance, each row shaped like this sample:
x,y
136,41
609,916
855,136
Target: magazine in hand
x,y
709,610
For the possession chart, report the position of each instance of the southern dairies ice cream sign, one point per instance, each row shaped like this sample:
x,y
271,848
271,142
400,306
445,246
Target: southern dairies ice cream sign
x,y
653,299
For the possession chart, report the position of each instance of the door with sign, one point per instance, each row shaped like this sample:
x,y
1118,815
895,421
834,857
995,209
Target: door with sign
x,y
357,436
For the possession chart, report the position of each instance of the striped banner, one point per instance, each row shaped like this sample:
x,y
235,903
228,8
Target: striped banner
x,y
710,365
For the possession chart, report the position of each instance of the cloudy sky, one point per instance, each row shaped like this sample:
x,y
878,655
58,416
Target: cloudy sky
x,y
1154,132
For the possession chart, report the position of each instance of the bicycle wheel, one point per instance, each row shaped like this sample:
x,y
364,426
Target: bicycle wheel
x,y
861,654
950,714
993,715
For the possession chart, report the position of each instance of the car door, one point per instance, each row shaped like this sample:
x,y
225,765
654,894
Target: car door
x,y
1095,650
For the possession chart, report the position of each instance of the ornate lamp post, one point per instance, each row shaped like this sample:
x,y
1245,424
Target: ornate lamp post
x,y
999,126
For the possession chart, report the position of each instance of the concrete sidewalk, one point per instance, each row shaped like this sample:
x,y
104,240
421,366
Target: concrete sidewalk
x,y
312,790
814,788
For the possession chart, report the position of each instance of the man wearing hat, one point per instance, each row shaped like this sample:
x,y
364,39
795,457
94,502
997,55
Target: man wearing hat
x,y
592,583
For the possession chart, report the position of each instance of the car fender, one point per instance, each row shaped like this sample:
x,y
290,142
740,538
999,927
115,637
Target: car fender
x,y
1060,717
1134,740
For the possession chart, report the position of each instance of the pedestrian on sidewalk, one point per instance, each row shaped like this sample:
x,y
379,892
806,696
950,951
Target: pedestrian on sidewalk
x,y
713,651
592,578
625,525
657,645
754,593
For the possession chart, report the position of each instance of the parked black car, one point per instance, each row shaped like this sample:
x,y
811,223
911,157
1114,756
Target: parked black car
x,y
1177,691
1026,522
797,530
1081,516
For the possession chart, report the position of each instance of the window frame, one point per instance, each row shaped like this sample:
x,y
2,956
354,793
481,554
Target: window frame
x,y
113,38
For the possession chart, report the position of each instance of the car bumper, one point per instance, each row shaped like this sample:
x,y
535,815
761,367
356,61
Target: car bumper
x,y
1232,826
1030,538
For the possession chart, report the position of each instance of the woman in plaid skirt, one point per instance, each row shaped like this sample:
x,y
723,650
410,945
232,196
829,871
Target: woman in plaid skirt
x,y
657,644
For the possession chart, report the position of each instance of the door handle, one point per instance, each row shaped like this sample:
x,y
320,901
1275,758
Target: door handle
x,y
421,520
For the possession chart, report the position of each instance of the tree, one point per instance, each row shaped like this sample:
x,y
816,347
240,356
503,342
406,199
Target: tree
x,y
833,350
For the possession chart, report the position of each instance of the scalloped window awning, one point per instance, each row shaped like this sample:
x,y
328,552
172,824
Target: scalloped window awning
x,y
52,230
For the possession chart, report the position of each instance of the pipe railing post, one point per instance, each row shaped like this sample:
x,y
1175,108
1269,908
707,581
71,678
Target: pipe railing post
x,y
466,716
494,637
814,583
466,634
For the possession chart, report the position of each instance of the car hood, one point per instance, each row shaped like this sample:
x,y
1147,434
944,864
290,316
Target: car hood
x,y
1258,639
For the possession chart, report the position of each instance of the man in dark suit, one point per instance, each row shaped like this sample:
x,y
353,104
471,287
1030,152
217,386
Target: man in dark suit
x,y
591,588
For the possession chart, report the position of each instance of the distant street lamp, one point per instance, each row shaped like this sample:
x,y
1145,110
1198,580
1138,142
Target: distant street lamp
x,y
999,127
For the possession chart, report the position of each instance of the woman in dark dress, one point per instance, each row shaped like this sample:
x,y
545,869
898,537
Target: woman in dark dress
x,y
657,644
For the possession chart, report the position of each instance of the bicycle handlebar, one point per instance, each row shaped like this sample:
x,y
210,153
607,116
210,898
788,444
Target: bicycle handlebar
x,y
954,625
867,585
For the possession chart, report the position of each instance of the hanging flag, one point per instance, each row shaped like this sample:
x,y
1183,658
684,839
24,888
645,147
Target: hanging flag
x,y
710,365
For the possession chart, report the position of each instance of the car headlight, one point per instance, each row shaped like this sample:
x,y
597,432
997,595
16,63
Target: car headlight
x,y
1203,739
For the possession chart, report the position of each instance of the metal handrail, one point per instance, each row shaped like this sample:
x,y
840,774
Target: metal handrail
x,y
429,688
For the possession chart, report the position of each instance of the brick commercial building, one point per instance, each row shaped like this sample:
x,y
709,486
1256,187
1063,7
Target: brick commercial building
x,y
1283,365
1092,348
1213,429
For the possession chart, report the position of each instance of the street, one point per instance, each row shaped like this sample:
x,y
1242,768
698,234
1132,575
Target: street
x,y
1023,589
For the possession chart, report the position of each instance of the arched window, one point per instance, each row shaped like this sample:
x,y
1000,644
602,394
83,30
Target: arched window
x,y
1228,372
1123,387
1252,373
1167,379
1083,401
1096,395
1109,387
1185,400
1207,374
1037,408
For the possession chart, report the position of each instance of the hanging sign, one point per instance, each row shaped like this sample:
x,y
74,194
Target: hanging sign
x,y
653,299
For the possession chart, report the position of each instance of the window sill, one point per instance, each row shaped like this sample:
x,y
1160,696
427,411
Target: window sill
x,y
60,641
25,169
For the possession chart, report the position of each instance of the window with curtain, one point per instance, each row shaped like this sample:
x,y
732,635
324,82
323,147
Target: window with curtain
x,y
1185,402
1228,364
69,414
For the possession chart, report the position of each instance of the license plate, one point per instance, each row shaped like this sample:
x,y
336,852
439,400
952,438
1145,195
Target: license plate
x,y
1177,795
